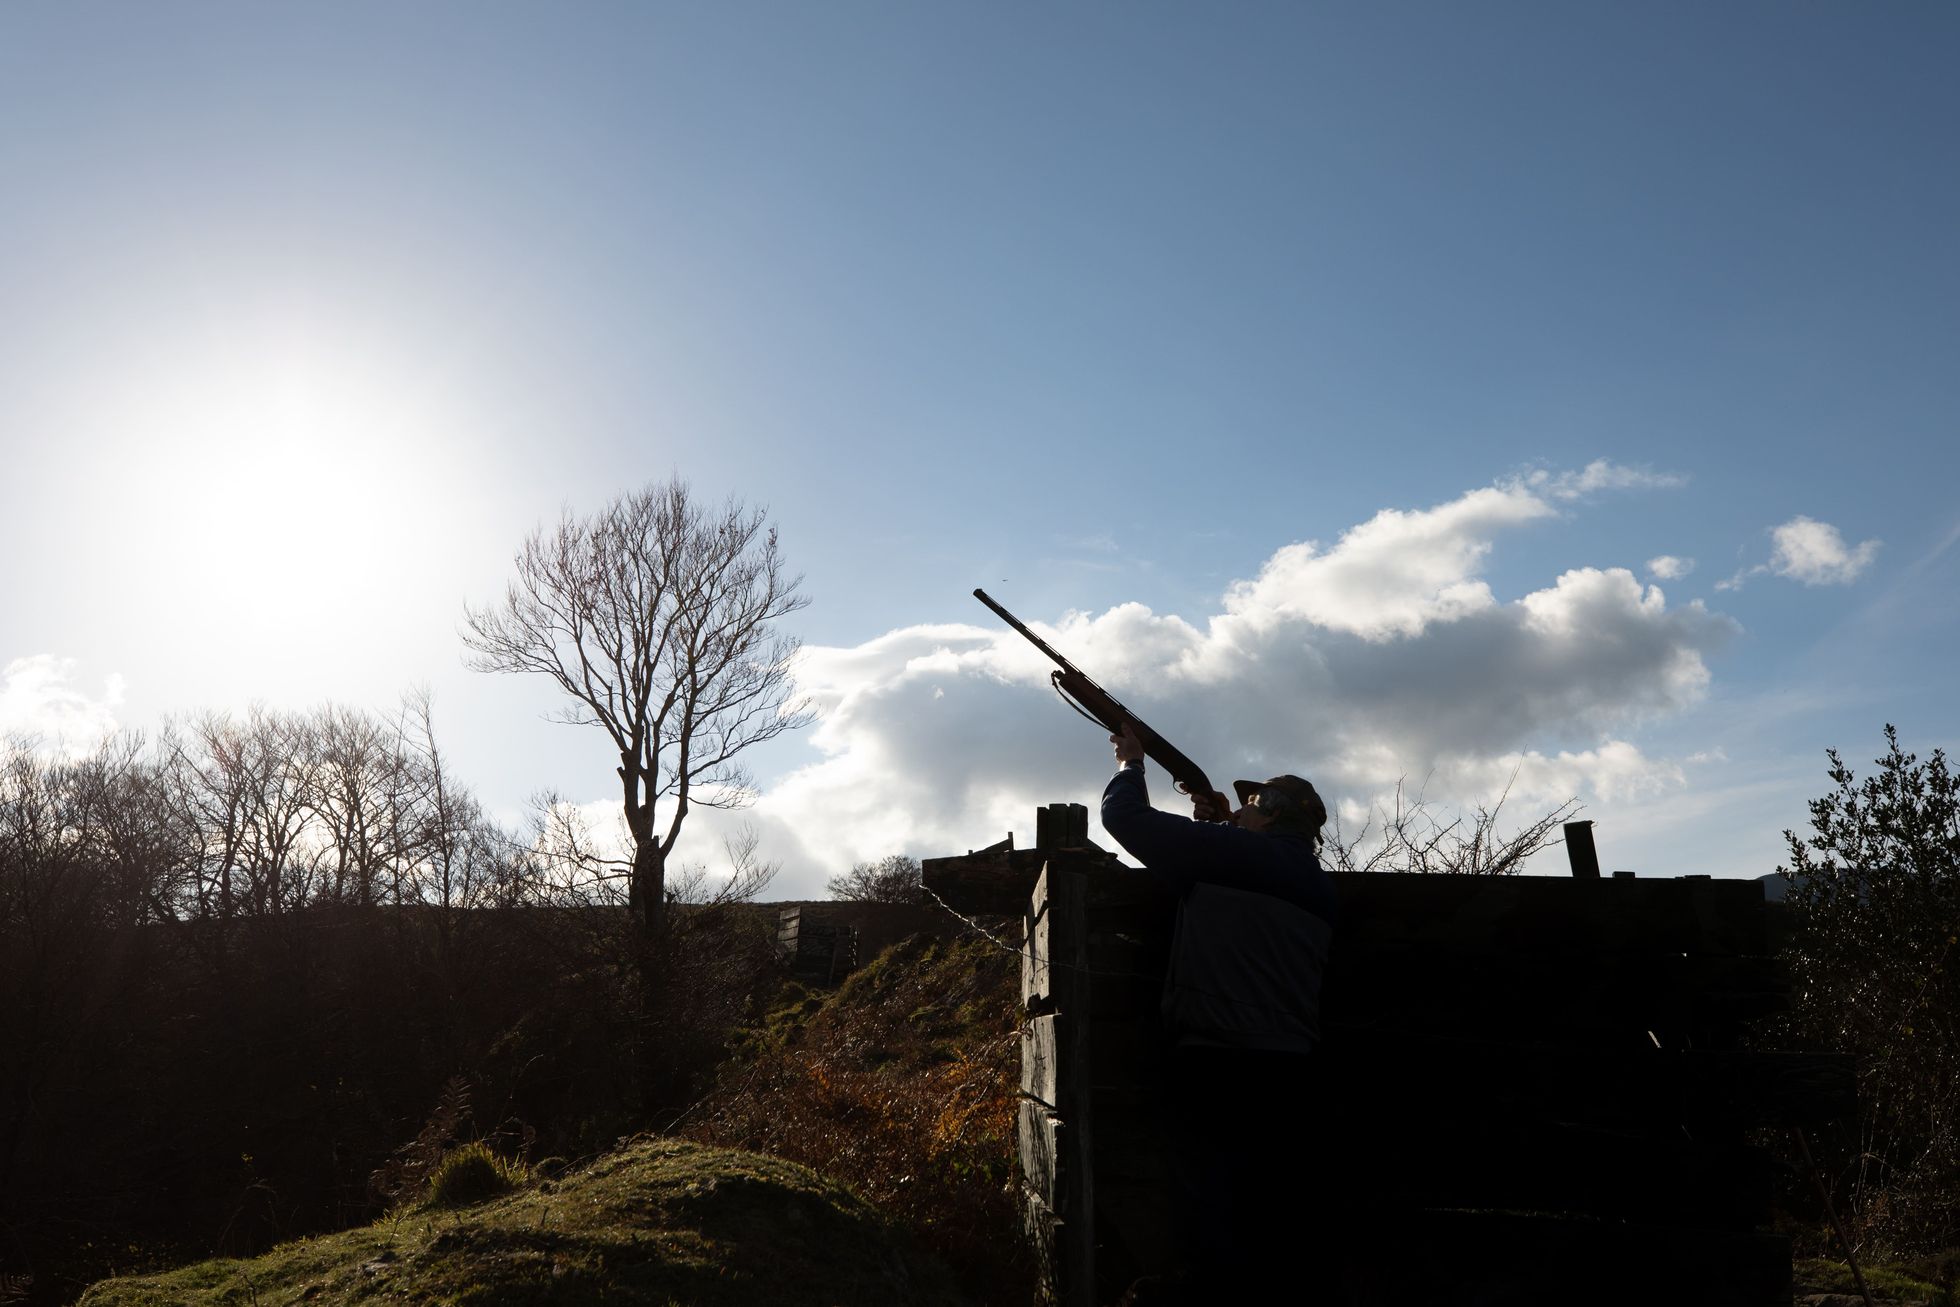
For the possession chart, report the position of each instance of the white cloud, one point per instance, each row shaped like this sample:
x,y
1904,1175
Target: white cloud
x,y
1813,552
1809,551
1598,475
1667,567
38,702
1385,656
1392,575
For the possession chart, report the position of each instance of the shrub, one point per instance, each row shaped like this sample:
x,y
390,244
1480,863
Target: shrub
x,y
904,1086
1874,893
471,1174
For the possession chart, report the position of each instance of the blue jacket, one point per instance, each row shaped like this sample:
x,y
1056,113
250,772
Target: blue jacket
x,y
1255,914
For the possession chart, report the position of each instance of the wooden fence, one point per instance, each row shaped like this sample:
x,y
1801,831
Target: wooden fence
x,y
816,949
1537,1084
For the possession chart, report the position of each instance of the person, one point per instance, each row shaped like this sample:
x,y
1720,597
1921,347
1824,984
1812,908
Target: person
x,y
1255,915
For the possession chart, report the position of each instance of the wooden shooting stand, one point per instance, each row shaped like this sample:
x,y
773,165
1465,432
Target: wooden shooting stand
x,y
1536,1088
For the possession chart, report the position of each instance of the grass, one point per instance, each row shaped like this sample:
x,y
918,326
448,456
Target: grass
x,y
1931,1280
471,1174
903,1084
665,1222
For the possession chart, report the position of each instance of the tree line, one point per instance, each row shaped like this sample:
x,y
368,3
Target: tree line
x,y
240,960
224,817
247,960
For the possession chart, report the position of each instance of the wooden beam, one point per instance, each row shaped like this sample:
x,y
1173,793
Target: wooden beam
x,y
1549,914
1432,1083
1579,851
998,883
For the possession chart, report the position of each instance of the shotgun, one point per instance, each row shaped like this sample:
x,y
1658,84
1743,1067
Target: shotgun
x,y
1101,707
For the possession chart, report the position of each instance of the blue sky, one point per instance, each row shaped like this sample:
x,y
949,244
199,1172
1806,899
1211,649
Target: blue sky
x,y
308,313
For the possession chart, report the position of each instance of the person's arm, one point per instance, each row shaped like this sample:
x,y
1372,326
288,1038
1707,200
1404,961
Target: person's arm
x,y
1175,848
1181,851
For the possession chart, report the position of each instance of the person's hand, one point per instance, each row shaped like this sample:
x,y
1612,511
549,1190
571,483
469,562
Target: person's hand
x,y
1129,748
1210,807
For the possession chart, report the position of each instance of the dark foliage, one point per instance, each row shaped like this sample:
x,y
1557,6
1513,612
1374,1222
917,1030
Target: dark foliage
x,y
237,971
1874,896
407,1172
904,1085
893,879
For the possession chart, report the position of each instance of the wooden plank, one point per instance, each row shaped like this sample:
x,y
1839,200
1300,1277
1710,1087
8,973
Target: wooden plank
x,y
1130,1140
1075,1203
1442,989
1123,898
1113,952
1037,971
1524,1260
1435,1082
1049,827
1041,1227
1124,1051
1124,997
1061,826
789,923
1127,976
1041,1137
1135,1234
1508,914
1042,1040
998,882
1658,1177
993,883
1579,850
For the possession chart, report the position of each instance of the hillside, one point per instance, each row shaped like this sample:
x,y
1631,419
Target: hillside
x,y
658,1221
902,1083
857,1147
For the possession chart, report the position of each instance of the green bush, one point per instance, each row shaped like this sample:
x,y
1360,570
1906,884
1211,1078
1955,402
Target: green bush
x,y
471,1174
1874,893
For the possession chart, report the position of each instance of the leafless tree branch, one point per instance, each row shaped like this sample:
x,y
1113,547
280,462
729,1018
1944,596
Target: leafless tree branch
x,y
656,616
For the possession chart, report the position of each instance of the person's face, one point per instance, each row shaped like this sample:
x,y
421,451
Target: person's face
x,y
1250,818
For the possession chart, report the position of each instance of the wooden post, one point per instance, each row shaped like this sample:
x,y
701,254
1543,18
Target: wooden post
x,y
1069,937
789,924
1046,823
1579,850
1061,826
1055,1129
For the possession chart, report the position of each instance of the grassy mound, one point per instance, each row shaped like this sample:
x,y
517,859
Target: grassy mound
x,y
660,1221
902,1084
1929,1280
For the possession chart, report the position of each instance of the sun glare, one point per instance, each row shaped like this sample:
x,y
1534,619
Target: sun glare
x,y
293,465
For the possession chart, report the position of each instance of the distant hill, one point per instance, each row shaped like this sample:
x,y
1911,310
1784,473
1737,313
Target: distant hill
x,y
657,1221
1776,889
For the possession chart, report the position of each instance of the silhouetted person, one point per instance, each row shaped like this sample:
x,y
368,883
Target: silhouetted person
x,y
1242,1017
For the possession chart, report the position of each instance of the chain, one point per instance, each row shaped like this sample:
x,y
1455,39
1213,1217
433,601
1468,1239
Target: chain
x,y
1025,951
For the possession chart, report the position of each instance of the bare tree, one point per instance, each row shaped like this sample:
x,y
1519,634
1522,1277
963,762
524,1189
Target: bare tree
x,y
1412,839
891,879
243,787
656,616
463,860
124,824
748,875
358,784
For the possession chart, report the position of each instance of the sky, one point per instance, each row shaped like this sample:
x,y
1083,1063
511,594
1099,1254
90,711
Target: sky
x,y
1549,398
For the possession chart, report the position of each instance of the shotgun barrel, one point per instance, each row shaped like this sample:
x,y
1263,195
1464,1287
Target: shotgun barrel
x,y
1100,706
